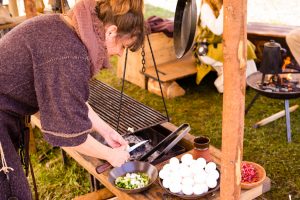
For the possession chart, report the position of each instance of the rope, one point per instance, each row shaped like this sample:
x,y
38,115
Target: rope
x,y
4,168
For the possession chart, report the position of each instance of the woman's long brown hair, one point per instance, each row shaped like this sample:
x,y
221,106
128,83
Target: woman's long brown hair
x,y
127,15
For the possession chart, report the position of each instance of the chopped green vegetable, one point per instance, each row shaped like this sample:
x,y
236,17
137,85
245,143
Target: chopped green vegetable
x,y
132,180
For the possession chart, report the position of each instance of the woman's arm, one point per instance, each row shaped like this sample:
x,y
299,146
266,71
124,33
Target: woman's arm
x,y
113,138
209,19
91,147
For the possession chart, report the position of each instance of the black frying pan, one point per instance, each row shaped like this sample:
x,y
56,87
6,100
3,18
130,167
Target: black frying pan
x,y
184,26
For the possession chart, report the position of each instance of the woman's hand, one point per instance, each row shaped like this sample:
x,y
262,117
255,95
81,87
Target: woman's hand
x,y
118,156
114,139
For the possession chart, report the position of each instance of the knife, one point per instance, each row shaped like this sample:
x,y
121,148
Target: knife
x,y
105,166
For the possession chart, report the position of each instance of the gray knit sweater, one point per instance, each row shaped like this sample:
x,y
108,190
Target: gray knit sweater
x,y
44,67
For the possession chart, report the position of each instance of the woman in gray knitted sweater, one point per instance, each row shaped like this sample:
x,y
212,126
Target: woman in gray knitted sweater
x,y
46,63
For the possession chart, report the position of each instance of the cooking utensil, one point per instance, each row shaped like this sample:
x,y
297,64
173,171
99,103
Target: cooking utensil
x,y
105,166
130,149
272,60
184,129
130,167
184,26
164,141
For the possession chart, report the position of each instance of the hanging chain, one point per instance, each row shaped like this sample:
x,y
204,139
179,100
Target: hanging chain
x,y
143,59
159,82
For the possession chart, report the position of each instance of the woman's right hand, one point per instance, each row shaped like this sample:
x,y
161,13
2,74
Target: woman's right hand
x,y
118,156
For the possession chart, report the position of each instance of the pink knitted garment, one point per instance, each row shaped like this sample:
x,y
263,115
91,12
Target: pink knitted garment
x,y
92,33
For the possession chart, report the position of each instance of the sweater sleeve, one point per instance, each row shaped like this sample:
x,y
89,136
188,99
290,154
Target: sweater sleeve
x,y
62,88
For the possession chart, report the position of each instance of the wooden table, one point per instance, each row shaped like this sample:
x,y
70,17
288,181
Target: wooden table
x,y
155,191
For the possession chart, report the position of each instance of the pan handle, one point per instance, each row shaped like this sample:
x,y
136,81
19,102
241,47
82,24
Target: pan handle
x,y
103,167
174,142
166,139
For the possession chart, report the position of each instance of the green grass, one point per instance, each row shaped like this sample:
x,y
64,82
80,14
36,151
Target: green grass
x,y
201,107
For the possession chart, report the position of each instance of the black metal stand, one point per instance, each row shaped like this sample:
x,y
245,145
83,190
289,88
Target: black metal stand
x,y
288,121
251,103
287,115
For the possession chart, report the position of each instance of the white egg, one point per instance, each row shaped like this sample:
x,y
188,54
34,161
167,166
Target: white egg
x,y
187,159
174,161
187,181
175,187
201,162
197,189
210,167
186,172
200,177
174,168
194,169
211,182
162,174
167,182
215,174
175,178
167,167
187,189
204,187
192,162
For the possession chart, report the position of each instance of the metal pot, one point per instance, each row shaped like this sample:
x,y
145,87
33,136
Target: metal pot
x,y
273,55
184,26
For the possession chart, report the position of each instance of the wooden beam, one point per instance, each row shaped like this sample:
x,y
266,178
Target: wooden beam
x,y
101,194
30,8
234,48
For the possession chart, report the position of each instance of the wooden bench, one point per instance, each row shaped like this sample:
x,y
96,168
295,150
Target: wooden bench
x,y
169,67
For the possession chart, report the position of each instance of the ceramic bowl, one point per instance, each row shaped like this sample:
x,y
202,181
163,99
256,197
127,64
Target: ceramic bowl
x,y
193,196
130,167
261,176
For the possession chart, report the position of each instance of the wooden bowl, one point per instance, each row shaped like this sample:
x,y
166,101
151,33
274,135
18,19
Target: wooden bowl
x,y
130,167
261,176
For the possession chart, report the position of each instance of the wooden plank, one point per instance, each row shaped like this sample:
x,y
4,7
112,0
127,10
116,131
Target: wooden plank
x,y
257,191
270,30
173,70
234,48
101,194
17,21
30,8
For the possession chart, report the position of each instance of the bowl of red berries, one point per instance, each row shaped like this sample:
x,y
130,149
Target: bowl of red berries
x,y
252,173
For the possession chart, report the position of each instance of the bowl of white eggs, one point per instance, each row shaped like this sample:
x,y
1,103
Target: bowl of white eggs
x,y
188,178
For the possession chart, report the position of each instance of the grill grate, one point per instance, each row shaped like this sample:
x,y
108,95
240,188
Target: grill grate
x,y
105,101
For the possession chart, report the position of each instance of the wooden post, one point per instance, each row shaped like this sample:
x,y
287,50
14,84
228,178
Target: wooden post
x,y
30,8
234,48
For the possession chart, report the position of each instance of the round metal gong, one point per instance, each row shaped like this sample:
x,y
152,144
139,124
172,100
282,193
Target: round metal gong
x,y
184,26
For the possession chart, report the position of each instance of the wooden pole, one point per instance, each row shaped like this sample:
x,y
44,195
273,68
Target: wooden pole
x,y
30,8
234,48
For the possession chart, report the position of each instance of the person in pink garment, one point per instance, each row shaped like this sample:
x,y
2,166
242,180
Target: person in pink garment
x,y
293,41
46,65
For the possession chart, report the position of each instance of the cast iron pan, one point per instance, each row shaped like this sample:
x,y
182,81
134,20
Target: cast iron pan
x,y
184,26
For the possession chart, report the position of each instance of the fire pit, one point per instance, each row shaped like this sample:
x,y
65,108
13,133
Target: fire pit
x,y
275,81
277,86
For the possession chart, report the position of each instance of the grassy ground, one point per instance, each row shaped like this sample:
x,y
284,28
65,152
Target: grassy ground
x,y
201,107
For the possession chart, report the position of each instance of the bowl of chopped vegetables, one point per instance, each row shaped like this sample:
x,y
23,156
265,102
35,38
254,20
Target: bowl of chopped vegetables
x,y
133,177
252,173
